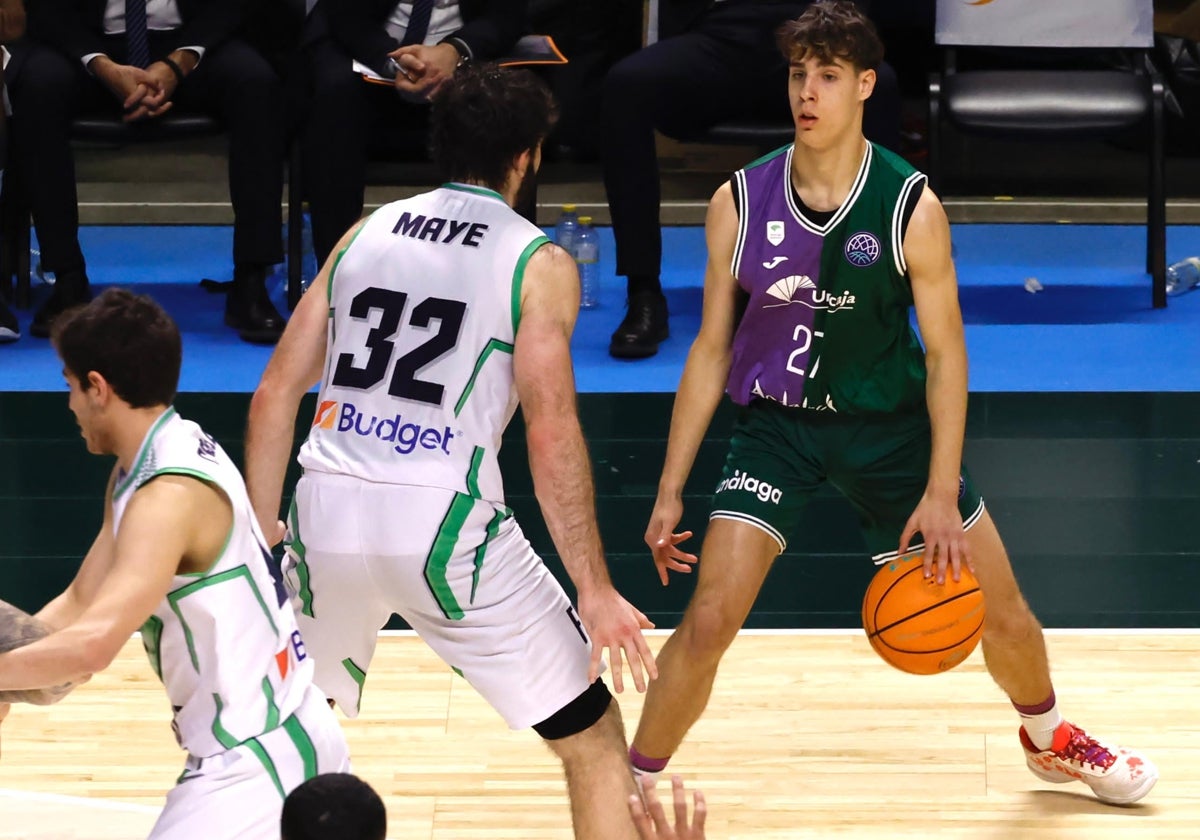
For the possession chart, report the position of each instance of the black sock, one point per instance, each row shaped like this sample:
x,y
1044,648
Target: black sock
x,y
644,284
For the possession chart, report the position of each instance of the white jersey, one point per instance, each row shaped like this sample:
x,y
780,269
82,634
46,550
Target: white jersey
x,y
224,642
423,312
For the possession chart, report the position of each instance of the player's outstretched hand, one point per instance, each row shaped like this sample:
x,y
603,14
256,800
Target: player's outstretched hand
x,y
664,541
613,624
651,818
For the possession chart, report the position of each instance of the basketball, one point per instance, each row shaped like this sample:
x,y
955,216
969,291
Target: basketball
x,y
917,625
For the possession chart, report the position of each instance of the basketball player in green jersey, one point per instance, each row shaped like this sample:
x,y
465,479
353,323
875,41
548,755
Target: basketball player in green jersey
x,y
179,555
435,317
816,253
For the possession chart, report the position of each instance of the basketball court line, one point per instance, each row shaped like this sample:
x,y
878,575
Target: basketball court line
x,y
78,801
854,631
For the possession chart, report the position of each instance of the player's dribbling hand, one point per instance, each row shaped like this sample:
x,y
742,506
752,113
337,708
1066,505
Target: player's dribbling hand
x,y
651,819
941,526
664,541
614,624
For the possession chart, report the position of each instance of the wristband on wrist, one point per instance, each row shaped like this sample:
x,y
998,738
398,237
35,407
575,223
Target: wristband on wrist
x,y
175,68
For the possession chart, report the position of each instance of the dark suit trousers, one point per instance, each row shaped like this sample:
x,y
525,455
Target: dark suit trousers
x,y
726,67
347,117
232,82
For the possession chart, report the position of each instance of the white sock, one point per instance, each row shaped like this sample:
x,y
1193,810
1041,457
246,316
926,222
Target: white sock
x,y
1040,727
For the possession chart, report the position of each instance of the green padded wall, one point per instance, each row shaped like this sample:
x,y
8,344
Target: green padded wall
x,y
1096,495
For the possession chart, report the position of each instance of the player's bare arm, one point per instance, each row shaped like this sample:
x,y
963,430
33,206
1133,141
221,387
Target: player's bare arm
x,y
701,385
173,524
935,294
296,365
559,463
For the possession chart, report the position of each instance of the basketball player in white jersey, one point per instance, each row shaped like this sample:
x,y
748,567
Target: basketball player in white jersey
x,y
180,556
432,319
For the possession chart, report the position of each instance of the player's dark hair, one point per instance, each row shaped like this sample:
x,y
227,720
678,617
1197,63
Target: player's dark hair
x,y
483,118
334,806
829,30
126,338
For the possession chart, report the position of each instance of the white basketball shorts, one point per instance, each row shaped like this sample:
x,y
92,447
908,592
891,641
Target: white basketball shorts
x,y
457,569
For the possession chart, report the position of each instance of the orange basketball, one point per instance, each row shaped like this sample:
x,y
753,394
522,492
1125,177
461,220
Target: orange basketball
x,y
918,626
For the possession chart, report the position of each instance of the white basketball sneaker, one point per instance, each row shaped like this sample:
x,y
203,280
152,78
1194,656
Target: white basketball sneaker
x,y
1116,775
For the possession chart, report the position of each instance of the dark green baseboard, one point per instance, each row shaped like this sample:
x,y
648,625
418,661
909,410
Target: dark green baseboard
x,y
1095,494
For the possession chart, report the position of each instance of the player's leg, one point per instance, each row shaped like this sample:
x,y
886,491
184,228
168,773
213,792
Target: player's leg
x,y
1014,649
884,474
488,606
596,766
339,609
734,562
240,793
769,474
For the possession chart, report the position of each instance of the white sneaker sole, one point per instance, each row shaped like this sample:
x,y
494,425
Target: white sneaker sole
x,y
1057,779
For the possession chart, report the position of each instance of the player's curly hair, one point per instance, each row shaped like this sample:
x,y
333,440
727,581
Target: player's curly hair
x,y
129,340
484,117
832,29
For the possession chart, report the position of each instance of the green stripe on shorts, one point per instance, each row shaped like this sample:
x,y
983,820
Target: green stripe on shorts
x,y
441,553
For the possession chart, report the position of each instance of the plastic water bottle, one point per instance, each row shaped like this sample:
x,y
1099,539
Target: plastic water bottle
x,y
587,257
565,229
43,276
1183,276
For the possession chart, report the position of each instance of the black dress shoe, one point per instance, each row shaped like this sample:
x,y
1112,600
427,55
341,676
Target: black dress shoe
x,y
248,308
69,291
10,330
644,327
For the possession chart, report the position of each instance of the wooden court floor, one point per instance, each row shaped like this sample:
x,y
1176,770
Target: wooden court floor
x,y
807,735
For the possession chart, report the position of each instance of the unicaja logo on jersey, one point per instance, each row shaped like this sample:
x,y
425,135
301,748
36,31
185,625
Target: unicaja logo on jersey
x,y
775,232
405,437
800,288
863,249
749,484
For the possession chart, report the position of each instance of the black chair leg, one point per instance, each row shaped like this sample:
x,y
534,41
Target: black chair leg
x,y
22,244
295,240
1156,205
934,132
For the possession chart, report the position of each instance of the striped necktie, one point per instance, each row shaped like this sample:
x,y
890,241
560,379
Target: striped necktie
x,y
137,43
418,22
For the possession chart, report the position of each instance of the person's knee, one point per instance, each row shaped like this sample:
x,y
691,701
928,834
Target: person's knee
x,y
46,82
631,86
577,716
1008,618
707,631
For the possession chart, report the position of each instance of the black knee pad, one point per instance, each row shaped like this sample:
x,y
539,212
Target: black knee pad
x,y
577,715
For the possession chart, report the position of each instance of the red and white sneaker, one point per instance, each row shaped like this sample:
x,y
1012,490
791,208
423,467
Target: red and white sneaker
x,y
1116,775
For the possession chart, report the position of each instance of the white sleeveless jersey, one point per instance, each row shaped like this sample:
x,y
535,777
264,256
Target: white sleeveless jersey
x,y
224,642
423,311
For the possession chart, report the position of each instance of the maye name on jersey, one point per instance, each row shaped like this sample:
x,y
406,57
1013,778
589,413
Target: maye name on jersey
x,y
437,229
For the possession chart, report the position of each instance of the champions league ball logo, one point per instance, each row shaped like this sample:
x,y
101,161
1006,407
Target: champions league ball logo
x,y
862,249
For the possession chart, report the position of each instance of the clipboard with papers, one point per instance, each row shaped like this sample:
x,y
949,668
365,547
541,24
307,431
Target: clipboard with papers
x,y
528,50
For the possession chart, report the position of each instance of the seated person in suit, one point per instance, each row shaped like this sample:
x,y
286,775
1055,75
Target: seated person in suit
x,y
417,44
143,58
12,26
713,63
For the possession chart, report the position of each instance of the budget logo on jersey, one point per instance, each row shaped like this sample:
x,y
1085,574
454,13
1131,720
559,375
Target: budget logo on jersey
x,y
775,232
405,437
325,414
863,249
